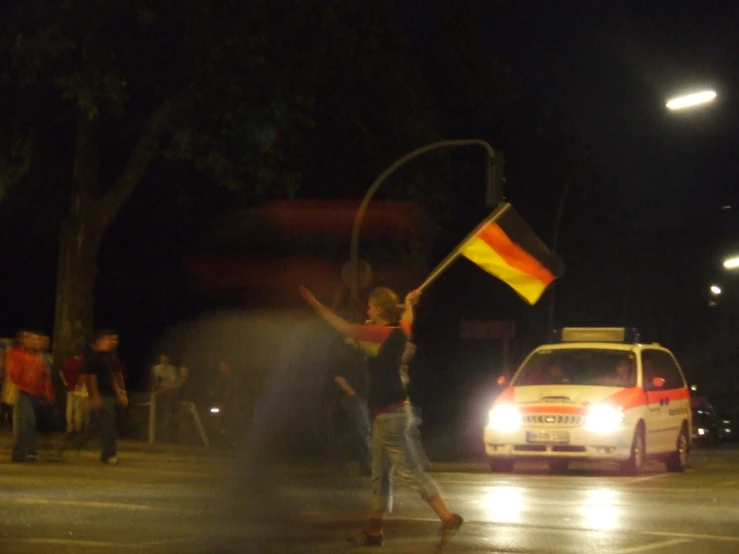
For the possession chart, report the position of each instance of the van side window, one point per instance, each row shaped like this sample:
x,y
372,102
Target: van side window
x,y
658,363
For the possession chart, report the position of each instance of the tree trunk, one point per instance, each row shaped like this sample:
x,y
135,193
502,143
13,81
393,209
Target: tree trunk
x,y
75,283
90,215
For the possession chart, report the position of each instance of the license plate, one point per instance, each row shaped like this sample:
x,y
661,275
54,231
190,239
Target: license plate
x,y
548,436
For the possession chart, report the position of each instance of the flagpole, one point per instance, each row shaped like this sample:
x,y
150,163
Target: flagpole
x,y
502,208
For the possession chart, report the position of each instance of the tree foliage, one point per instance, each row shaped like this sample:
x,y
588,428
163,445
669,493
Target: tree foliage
x,y
260,96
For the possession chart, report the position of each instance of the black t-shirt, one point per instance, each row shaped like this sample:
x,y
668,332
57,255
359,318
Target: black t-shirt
x,y
385,386
103,365
351,364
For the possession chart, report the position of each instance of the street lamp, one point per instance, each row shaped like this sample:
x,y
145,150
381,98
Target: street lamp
x,y
493,192
731,263
715,290
693,100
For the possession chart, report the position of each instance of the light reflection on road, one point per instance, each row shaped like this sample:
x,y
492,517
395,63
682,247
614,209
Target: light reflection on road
x,y
503,504
600,510
597,509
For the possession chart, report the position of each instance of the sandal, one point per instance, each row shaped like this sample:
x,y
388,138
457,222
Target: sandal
x,y
365,539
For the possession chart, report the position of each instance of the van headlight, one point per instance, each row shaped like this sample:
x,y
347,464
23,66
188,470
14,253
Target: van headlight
x,y
505,418
603,418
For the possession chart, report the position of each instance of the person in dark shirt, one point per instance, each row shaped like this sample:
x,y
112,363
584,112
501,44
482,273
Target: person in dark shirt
x,y
384,339
226,395
105,385
350,376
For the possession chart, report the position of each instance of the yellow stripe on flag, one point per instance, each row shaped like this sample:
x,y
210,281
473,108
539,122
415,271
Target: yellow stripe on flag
x,y
370,348
480,253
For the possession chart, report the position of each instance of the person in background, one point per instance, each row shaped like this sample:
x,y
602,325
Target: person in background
x,y
166,383
9,394
184,391
71,376
106,390
350,376
225,393
28,371
45,344
384,340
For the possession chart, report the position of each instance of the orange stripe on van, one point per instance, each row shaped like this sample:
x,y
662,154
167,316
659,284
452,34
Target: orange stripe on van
x,y
678,394
552,409
635,397
628,398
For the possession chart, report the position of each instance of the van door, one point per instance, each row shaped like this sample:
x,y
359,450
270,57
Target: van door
x,y
678,397
671,401
656,415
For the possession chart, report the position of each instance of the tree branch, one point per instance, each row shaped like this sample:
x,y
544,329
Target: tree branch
x,y
138,163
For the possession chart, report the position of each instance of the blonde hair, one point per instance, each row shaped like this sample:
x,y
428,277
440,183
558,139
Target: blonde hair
x,y
387,303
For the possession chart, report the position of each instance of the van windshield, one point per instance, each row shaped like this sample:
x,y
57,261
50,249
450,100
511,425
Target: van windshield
x,y
582,366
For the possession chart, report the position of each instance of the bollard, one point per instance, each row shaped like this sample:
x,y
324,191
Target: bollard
x,y
198,423
152,418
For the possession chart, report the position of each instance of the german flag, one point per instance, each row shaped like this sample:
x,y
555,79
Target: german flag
x,y
507,248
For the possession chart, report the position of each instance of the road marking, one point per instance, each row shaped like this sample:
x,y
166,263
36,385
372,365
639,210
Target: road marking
x,y
96,482
625,486
564,529
169,541
653,546
138,470
695,536
648,478
93,504
732,483
74,542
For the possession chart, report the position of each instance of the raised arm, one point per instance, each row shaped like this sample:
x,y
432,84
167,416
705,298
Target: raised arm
x,y
340,324
406,320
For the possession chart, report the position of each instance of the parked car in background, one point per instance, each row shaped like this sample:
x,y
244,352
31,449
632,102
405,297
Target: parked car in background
x,y
727,426
705,428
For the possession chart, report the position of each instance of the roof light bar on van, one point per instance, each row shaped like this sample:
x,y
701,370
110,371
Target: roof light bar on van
x,y
597,334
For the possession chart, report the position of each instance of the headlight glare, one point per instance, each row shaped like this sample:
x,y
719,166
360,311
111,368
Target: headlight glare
x,y
603,418
505,418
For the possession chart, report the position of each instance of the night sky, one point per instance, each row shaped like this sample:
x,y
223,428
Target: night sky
x,y
644,226
608,67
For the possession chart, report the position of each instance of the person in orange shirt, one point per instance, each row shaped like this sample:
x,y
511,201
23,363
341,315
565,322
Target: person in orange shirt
x,y
28,371
8,394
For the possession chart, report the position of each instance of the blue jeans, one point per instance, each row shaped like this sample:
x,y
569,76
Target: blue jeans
x,y
414,434
105,420
391,448
25,444
356,409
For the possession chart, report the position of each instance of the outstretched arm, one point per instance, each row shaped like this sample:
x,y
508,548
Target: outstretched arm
x,y
341,325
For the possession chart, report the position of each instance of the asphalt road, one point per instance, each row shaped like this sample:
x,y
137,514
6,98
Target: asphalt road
x,y
177,503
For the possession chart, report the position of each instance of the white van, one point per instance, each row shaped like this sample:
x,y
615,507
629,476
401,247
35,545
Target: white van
x,y
593,394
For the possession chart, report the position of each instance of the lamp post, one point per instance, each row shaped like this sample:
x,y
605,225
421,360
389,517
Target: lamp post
x,y
493,193
555,234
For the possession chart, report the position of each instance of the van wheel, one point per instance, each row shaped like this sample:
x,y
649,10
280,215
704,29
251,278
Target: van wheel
x,y
635,464
501,466
559,466
677,461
